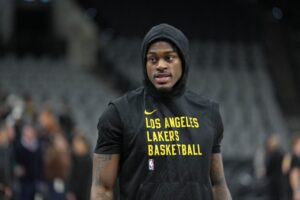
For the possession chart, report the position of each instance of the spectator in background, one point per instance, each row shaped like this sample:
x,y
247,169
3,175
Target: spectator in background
x,y
274,156
6,164
81,176
49,126
291,170
66,122
5,109
49,122
30,111
28,154
57,167
16,105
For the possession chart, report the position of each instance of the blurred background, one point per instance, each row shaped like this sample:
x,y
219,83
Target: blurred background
x,y
62,61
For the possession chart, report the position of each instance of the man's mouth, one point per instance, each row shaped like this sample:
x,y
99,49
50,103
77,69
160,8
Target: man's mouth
x,y
162,78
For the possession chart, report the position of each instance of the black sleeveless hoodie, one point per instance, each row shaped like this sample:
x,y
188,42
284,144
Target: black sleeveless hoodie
x,y
165,139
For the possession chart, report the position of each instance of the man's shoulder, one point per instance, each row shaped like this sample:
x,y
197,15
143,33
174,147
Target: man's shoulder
x,y
200,99
129,96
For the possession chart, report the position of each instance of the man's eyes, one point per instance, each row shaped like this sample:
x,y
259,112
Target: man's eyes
x,y
152,59
167,58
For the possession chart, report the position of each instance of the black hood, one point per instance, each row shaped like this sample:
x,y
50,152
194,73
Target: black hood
x,y
166,32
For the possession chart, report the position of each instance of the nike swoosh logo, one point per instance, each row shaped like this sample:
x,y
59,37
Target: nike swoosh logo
x,y
149,113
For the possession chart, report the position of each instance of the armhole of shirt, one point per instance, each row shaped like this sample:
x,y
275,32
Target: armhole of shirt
x,y
218,127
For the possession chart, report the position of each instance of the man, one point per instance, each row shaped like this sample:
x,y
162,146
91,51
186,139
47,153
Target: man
x,y
273,164
161,140
29,162
291,170
6,163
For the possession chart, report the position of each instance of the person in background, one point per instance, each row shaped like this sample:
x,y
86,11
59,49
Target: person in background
x,y
81,175
66,121
6,164
291,170
57,160
30,112
29,163
274,156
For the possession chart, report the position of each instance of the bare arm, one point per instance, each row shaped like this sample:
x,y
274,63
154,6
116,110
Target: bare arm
x,y
220,189
105,172
295,182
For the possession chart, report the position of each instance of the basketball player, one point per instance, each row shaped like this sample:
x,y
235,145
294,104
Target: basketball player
x,y
161,141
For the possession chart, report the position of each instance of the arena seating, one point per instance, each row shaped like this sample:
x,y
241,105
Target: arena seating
x,y
55,82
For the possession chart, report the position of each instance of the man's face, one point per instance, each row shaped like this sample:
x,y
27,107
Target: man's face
x,y
164,66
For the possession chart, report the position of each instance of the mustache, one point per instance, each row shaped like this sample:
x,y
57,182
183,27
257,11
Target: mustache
x,y
162,74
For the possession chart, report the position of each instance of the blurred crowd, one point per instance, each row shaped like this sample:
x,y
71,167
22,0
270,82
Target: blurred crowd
x,y
43,155
282,168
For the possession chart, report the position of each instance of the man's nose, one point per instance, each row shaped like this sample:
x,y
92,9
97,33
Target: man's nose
x,y
161,65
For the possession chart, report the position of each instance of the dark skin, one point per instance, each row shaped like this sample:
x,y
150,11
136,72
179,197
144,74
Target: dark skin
x,y
164,69
219,186
105,171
